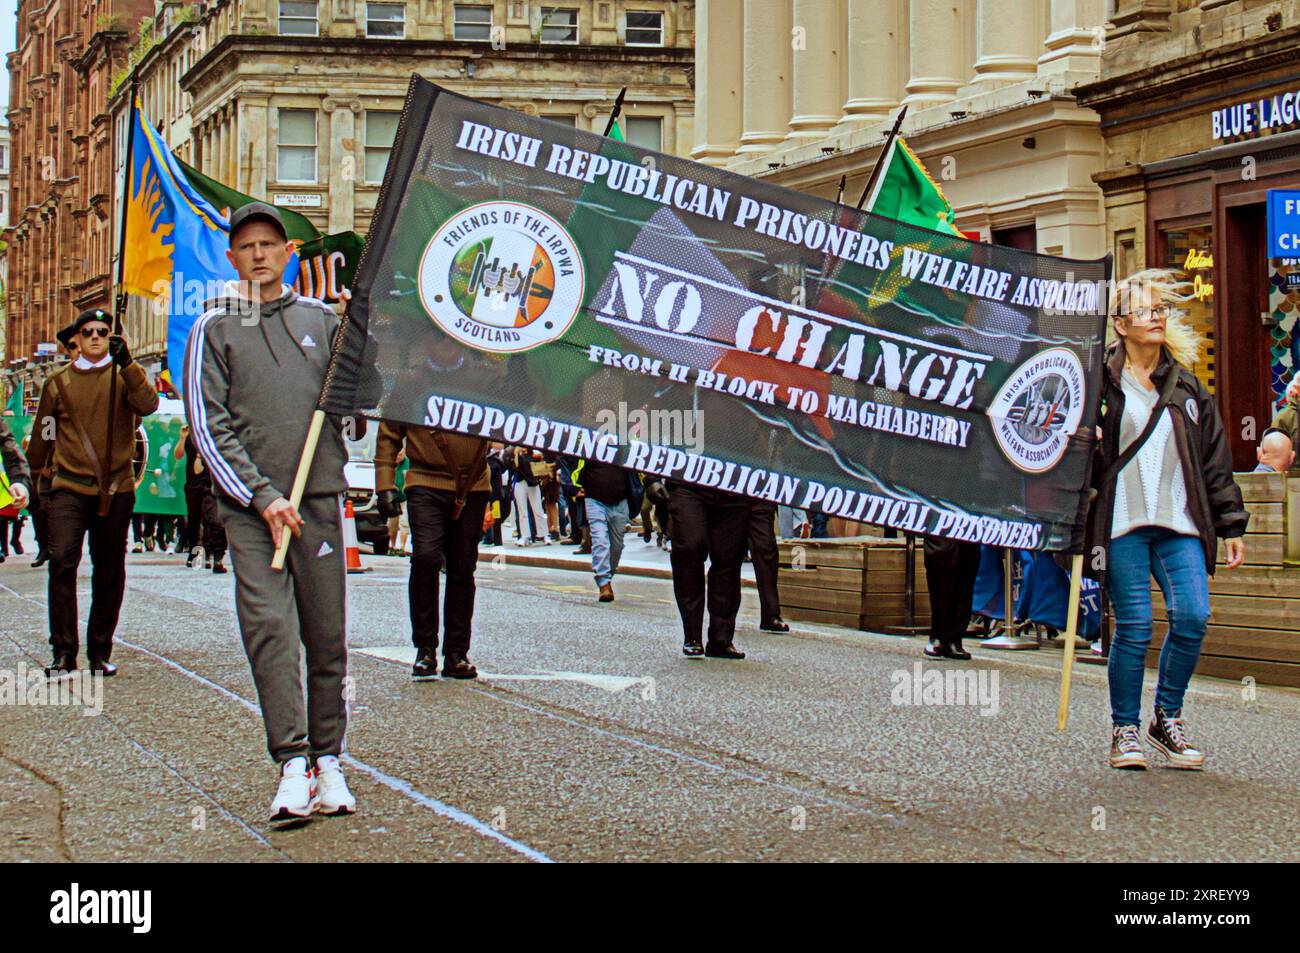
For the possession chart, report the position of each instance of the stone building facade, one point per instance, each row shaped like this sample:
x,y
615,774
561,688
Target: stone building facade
x,y
800,92
1200,108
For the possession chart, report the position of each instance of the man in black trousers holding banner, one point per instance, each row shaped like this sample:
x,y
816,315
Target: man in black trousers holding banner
x,y
950,570
708,525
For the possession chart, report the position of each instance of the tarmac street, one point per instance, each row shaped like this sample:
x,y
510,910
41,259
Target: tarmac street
x,y
589,737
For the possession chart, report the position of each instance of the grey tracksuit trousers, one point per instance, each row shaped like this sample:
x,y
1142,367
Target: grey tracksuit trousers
x,y
278,611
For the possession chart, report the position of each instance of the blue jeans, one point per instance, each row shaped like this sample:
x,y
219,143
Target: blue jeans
x,y
1178,565
608,524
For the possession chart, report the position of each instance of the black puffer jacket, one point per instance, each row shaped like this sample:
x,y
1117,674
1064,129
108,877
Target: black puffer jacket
x,y
1213,497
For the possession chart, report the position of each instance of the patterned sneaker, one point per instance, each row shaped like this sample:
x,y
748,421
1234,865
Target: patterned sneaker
x,y
1126,748
335,798
297,796
1168,735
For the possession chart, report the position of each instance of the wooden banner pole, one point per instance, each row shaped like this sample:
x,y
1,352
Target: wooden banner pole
x,y
299,484
1071,627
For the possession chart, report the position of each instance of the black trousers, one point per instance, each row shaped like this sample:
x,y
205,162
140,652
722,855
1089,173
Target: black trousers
x,y
204,523
950,570
707,525
39,510
766,557
438,540
71,517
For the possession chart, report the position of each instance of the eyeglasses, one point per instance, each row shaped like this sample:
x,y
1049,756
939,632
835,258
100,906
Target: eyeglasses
x,y
94,332
1149,315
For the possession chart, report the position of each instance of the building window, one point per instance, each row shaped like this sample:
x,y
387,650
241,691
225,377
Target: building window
x,y
381,129
559,26
644,28
386,20
646,132
472,22
296,161
298,18
4,158
567,119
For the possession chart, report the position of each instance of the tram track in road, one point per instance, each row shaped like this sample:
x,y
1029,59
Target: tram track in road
x,y
395,784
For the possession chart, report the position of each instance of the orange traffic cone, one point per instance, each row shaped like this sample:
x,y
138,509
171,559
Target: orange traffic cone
x,y
351,550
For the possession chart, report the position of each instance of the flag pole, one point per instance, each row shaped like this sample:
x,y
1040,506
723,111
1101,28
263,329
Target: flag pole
x,y
1071,627
119,301
299,485
614,113
884,157
839,196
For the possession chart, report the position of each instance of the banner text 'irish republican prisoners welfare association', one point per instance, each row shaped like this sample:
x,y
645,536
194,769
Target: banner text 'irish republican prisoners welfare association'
x,y
534,284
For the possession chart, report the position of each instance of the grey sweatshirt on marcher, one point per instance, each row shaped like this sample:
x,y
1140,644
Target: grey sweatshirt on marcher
x,y
252,381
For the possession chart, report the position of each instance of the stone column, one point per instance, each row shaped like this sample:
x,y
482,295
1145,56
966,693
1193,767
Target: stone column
x,y
936,68
342,115
767,70
1075,41
252,139
719,80
816,41
873,38
1007,40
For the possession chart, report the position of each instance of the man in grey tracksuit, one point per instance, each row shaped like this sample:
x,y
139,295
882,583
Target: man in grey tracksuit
x,y
253,375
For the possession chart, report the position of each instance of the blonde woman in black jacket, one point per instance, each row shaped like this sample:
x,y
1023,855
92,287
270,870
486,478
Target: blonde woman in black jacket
x,y
1165,497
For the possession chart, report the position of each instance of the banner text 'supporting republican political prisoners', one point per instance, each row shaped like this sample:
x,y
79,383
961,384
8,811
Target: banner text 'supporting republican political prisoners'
x,y
526,281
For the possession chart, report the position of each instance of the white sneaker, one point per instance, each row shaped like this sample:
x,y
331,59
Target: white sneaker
x,y
335,798
296,796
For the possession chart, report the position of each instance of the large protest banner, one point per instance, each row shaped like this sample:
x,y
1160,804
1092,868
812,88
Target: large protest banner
x,y
540,285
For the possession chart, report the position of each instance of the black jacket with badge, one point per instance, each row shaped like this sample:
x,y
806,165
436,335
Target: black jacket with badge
x,y
1213,497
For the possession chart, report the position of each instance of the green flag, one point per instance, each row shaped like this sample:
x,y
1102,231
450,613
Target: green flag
x,y
225,200
15,405
905,192
616,133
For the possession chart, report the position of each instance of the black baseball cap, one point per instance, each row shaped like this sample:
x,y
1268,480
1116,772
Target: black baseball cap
x,y
81,320
257,211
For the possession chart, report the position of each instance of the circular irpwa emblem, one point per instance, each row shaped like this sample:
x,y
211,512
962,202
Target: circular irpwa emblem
x,y
502,277
1038,409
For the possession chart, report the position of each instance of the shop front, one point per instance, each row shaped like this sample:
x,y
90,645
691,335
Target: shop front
x,y
1186,187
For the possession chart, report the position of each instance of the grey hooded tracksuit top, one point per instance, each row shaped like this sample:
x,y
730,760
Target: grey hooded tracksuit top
x,y
252,381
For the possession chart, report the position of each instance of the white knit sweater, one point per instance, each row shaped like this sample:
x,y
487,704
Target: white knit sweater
x,y
1150,490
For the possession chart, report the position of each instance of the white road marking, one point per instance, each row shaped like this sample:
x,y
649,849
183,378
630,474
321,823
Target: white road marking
x,y
609,683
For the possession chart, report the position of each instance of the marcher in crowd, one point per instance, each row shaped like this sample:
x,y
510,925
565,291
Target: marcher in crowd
x,y
1275,452
1165,497
528,468
255,363
95,404
767,564
447,492
204,522
40,489
16,469
951,566
609,493
708,525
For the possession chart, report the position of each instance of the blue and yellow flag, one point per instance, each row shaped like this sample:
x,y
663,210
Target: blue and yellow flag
x,y
176,241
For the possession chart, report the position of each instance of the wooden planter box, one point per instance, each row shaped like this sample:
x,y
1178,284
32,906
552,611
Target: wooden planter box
x,y
1254,628
859,583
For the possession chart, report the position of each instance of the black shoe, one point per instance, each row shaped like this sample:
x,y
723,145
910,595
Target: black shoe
x,y
457,666
3,557
723,650
693,650
774,625
191,558
1168,735
218,567
64,662
425,667
18,548
956,651
936,649
41,559
103,667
